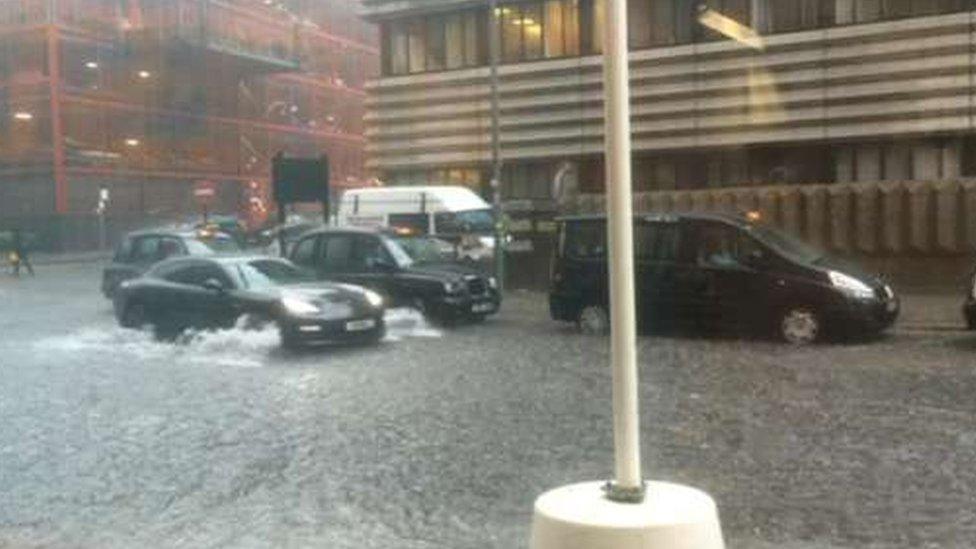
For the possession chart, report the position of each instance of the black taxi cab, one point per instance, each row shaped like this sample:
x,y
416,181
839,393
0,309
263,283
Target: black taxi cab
x,y
443,291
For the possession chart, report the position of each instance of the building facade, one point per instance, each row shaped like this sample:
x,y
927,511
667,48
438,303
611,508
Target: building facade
x,y
849,122
151,99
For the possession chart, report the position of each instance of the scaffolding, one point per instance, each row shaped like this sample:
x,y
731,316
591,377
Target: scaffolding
x,y
149,97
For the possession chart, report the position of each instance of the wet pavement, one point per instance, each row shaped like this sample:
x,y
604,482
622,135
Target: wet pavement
x,y
443,438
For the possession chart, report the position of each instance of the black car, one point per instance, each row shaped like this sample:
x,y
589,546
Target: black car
x,y
699,270
211,293
444,292
140,250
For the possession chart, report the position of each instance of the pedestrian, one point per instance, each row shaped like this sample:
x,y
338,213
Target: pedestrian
x,y
21,257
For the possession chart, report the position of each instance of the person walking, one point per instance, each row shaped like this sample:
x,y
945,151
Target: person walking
x,y
21,258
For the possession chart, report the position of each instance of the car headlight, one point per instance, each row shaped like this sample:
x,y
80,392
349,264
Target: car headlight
x,y
493,282
850,286
453,287
374,299
298,306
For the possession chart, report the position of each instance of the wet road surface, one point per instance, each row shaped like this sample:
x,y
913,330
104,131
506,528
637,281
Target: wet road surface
x,y
443,438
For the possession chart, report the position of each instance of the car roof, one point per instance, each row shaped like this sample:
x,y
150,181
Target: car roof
x,y
222,259
678,216
177,233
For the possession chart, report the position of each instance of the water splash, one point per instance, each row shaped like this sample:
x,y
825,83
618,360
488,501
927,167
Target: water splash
x,y
405,323
240,346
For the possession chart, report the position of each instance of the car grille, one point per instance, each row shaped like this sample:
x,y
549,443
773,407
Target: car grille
x,y
477,285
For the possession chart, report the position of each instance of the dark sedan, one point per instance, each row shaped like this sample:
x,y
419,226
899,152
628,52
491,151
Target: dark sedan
x,y
214,293
140,250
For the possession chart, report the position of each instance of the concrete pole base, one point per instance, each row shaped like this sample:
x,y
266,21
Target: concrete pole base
x,y
580,516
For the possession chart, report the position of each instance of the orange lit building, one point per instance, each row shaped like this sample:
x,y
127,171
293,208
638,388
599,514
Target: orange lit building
x,y
149,98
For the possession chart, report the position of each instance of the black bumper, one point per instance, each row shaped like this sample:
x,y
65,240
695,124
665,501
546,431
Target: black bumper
x,y
863,317
464,306
297,331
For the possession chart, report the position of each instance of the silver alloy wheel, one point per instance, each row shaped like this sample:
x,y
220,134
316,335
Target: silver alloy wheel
x,y
593,319
799,326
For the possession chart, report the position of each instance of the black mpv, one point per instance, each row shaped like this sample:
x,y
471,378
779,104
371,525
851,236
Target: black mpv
x,y
705,270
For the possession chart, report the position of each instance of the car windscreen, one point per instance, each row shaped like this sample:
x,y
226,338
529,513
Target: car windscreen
x,y
279,272
426,250
256,275
790,247
212,245
400,256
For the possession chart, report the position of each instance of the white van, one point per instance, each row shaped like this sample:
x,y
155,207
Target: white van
x,y
456,214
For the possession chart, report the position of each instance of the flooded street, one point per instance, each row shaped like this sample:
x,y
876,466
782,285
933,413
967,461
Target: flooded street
x,y
444,437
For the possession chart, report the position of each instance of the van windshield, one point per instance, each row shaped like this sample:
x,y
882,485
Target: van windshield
x,y
480,221
786,245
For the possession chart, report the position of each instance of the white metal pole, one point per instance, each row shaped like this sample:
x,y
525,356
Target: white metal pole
x,y
628,483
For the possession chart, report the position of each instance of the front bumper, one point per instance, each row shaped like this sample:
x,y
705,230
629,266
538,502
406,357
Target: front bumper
x,y
465,305
312,330
864,317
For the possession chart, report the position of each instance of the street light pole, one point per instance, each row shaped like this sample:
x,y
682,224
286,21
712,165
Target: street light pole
x,y
596,515
496,152
628,484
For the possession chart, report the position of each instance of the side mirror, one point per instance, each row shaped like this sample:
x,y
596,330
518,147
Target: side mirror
x,y
384,266
214,285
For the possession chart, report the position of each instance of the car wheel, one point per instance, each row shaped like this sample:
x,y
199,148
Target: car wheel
x,y
134,316
594,320
799,326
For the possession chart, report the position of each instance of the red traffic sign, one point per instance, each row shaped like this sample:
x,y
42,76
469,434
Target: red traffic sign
x,y
205,191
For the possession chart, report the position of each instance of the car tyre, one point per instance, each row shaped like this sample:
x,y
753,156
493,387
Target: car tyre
x,y
800,325
594,320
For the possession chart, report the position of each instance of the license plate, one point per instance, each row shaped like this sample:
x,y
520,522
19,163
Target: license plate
x,y
482,308
360,325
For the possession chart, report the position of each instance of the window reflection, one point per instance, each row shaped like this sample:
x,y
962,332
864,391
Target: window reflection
x,y
547,29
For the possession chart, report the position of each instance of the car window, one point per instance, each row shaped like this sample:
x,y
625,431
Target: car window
x,y
585,240
145,248
336,253
304,252
196,274
656,241
368,254
123,251
169,247
721,245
